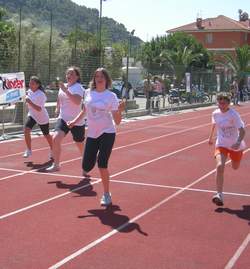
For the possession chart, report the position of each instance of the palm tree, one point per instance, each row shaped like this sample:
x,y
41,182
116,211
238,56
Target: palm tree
x,y
239,63
180,61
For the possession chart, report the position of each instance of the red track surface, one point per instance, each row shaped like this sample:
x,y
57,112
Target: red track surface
x,y
162,173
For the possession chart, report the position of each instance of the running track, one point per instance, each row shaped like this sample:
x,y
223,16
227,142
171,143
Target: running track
x,y
162,173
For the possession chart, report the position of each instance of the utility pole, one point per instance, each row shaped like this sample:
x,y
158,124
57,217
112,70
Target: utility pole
x,y
50,45
19,39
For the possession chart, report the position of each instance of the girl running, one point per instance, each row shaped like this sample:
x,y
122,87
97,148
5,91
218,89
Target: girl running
x,y
71,116
35,100
102,107
229,143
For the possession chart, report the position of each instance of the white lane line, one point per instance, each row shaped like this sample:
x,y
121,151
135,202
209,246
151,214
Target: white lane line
x,y
146,212
47,200
115,231
238,253
118,133
114,175
134,130
162,124
176,187
125,146
129,182
34,150
11,176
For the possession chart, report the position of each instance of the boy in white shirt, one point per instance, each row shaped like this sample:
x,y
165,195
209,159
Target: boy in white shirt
x,y
229,142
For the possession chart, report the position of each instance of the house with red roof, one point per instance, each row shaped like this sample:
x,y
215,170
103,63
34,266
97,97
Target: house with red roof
x,y
220,34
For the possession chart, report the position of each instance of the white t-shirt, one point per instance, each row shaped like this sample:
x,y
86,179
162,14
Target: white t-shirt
x,y
228,125
38,98
99,106
69,110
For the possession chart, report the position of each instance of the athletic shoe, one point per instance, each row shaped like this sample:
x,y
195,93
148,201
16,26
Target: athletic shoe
x,y
53,168
27,153
106,199
218,199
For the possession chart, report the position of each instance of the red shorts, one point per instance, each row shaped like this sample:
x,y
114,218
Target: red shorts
x,y
233,155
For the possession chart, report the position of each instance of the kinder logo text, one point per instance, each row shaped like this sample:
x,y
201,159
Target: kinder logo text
x,y
8,84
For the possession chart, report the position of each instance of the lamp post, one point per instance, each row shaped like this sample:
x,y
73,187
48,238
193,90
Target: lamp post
x,y
128,55
100,33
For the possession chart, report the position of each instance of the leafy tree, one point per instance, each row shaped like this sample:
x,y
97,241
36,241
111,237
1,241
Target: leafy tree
x,y
174,54
7,42
240,62
114,63
180,61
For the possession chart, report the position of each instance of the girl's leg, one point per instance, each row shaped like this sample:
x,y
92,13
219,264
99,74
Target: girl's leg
x,y
29,124
80,146
220,167
105,149
27,136
89,156
78,133
56,148
105,179
45,130
49,140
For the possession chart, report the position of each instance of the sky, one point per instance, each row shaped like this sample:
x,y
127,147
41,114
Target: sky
x,y
150,18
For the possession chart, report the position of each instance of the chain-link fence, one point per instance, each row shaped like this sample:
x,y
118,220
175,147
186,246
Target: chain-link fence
x,y
147,91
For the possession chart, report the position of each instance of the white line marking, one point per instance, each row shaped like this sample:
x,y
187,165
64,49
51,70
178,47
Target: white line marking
x,y
118,133
34,150
114,175
113,232
47,200
238,253
146,212
176,187
134,183
121,147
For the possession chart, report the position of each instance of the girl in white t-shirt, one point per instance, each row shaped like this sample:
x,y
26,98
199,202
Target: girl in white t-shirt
x,y
71,116
35,100
229,142
102,110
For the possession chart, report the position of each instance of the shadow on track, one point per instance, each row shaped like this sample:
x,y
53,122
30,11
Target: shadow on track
x,y
243,213
109,217
83,188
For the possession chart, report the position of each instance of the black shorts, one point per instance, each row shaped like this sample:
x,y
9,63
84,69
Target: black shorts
x,y
30,123
78,132
98,149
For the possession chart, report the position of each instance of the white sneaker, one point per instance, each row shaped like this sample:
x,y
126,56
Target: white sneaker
x,y
218,199
53,168
27,153
106,199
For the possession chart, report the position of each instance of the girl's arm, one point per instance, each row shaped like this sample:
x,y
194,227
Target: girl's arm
x,y
117,115
210,139
57,110
75,98
76,119
36,107
242,133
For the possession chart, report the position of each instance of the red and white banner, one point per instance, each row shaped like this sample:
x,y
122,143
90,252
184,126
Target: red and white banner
x,y
12,87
